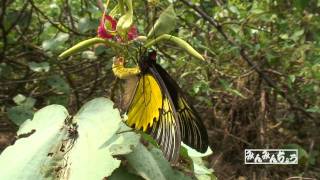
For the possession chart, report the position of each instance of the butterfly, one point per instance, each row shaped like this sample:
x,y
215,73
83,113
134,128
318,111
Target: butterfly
x,y
159,107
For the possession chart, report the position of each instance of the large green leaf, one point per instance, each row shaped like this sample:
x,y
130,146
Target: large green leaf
x,y
28,154
98,121
58,146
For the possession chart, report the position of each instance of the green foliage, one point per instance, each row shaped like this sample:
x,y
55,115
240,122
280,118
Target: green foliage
x,y
58,84
23,111
39,67
152,165
55,145
18,114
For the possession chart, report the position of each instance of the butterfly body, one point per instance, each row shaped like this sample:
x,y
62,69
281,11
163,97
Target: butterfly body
x,y
159,107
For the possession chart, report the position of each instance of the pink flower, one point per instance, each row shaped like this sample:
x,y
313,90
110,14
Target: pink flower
x,y
133,33
107,27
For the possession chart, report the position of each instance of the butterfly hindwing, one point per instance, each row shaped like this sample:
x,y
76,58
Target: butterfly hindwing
x,y
193,132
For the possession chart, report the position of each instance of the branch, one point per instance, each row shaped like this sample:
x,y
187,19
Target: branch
x,y
243,54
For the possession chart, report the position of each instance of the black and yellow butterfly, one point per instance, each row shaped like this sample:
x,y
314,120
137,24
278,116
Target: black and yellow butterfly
x,y
159,107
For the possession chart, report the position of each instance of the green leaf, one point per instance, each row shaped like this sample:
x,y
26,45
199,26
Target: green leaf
x,y
165,166
284,36
29,153
124,140
194,153
314,109
56,146
165,23
152,164
296,35
56,43
59,84
302,153
20,114
114,11
144,164
228,87
234,10
85,25
19,99
149,138
98,122
200,169
39,67
88,55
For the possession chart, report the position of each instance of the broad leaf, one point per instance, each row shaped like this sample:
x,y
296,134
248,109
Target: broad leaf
x,y
165,23
29,153
55,145
152,164
97,123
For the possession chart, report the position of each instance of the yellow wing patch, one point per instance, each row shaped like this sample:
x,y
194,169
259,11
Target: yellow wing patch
x,y
150,110
146,103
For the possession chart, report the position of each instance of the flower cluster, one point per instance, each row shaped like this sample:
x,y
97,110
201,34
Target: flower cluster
x,y
107,29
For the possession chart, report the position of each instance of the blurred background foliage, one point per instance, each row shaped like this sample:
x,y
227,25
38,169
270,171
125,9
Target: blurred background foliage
x,y
259,86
